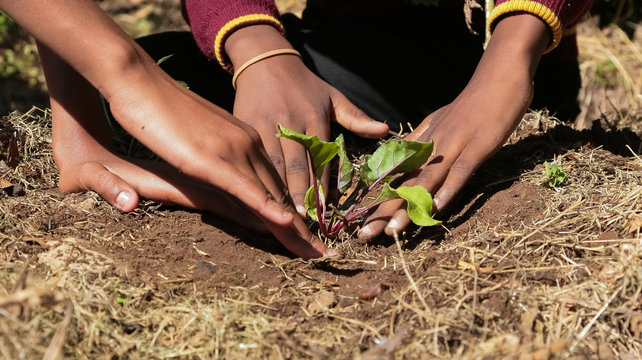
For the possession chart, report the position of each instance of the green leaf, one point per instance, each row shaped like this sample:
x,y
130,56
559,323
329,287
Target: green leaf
x,y
164,58
311,202
183,84
320,151
386,193
346,170
419,205
418,200
554,174
394,157
116,283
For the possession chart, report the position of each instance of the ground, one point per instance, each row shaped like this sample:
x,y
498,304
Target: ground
x,y
519,270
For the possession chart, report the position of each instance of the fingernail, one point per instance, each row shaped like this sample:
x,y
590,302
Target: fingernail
x,y
301,210
436,203
393,225
123,199
331,252
366,230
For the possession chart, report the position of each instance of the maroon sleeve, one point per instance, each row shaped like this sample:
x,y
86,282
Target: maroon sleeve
x,y
213,21
557,14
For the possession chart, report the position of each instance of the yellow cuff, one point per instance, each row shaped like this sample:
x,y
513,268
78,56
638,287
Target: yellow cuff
x,y
531,7
233,24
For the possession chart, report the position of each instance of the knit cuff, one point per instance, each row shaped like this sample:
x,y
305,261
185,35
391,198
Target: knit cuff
x,y
546,14
212,22
236,24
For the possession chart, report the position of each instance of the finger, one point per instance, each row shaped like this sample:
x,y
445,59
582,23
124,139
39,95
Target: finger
x,y
163,183
116,191
391,216
299,240
354,119
250,188
297,171
460,172
295,235
398,222
275,153
376,223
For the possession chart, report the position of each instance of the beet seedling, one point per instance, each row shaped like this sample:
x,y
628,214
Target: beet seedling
x,y
391,158
555,176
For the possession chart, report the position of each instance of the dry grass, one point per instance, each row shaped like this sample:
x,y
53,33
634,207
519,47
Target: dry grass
x,y
565,283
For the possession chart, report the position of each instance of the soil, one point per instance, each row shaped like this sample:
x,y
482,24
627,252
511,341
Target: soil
x,y
190,250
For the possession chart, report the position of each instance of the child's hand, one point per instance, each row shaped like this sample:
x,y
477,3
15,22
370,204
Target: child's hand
x,y
474,126
282,90
83,151
196,137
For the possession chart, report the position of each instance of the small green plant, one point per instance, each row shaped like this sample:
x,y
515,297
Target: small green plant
x,y
391,158
606,74
165,58
120,298
555,176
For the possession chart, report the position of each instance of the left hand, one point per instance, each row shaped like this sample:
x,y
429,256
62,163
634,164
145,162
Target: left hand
x,y
281,90
474,126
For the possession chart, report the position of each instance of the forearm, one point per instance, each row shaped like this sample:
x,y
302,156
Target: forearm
x,y
84,36
514,50
77,112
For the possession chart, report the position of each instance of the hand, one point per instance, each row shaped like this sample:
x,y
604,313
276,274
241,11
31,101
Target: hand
x,y
210,146
83,151
282,91
477,123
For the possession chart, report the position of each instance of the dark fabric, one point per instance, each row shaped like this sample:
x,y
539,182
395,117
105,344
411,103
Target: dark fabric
x,y
188,64
397,71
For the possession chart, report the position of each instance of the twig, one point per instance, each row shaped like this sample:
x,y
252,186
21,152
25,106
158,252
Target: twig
x,y
588,326
54,350
407,271
634,154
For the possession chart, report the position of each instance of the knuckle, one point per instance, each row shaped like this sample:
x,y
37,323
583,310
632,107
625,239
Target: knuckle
x,y
104,180
297,167
253,136
298,195
464,166
277,161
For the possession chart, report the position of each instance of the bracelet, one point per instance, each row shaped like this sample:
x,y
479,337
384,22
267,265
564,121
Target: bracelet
x,y
258,58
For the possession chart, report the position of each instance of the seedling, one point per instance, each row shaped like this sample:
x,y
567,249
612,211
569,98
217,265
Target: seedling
x,y
555,176
391,158
165,58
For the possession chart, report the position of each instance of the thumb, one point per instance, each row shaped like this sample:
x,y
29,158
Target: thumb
x,y
354,119
116,191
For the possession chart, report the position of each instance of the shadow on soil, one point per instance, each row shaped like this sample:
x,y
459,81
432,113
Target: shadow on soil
x,y
263,242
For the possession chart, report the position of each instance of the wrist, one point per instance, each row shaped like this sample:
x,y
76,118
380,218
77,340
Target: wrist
x,y
519,41
248,42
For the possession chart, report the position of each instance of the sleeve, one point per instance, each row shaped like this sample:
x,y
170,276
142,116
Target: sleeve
x,y
557,14
213,21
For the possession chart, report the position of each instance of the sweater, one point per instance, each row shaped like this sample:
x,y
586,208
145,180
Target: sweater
x,y
213,21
